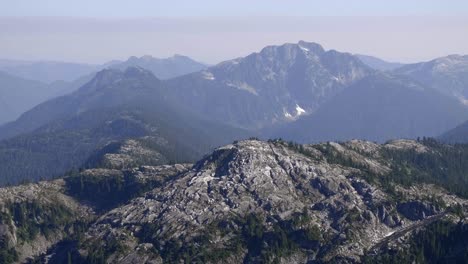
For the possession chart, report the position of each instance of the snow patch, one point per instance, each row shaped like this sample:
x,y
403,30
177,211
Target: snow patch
x,y
304,49
463,100
299,110
243,86
208,75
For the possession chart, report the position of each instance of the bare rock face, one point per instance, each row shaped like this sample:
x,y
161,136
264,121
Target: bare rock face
x,y
404,144
38,221
285,192
247,202
131,152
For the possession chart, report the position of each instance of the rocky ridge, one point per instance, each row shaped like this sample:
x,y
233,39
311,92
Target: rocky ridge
x,y
251,201
277,185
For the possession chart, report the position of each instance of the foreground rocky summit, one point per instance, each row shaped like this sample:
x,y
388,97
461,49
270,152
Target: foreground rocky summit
x,y
255,202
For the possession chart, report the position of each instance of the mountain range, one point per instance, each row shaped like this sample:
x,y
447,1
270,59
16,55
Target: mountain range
x,y
63,133
51,71
293,154
17,95
379,107
296,91
26,84
163,69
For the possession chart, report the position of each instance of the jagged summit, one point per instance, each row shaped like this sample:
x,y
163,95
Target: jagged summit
x,y
131,71
290,49
111,78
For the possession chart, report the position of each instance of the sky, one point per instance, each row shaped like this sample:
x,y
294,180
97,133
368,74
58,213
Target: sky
x,y
212,31
203,8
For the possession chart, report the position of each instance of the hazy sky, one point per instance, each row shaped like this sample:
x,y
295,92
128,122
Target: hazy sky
x,y
211,31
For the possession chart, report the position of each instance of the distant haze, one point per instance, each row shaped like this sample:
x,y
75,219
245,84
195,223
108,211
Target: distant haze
x,y
210,40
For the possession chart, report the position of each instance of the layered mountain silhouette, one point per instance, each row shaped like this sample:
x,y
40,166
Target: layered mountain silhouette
x,y
166,68
47,71
24,85
63,133
299,92
52,71
18,95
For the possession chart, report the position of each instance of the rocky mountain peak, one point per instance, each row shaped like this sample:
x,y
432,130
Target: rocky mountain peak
x,y
446,74
452,62
307,60
289,52
279,84
108,78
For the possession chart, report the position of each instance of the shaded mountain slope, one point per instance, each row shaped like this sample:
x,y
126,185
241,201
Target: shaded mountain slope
x,y
379,108
108,88
17,95
448,75
113,107
457,135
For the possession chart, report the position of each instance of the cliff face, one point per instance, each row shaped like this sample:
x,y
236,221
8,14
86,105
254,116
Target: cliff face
x,y
251,201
